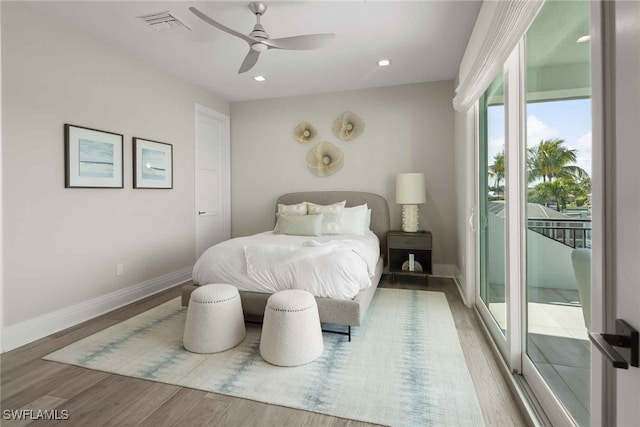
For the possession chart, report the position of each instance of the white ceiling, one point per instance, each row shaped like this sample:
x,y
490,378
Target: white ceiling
x,y
425,41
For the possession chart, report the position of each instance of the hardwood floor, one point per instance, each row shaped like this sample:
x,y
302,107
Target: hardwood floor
x,y
101,399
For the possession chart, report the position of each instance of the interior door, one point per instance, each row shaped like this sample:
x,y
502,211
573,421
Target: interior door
x,y
626,199
212,163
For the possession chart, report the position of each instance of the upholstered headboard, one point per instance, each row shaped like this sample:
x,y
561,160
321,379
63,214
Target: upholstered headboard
x,y
380,222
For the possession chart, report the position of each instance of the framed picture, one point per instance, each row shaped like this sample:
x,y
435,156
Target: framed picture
x,y
92,158
152,164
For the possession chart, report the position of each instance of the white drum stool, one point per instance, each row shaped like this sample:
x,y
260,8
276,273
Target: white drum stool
x,y
214,319
291,332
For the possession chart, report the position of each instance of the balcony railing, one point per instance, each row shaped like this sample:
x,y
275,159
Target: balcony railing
x,y
575,233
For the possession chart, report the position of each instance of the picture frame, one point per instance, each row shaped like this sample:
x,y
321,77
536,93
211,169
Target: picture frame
x,y
93,158
152,164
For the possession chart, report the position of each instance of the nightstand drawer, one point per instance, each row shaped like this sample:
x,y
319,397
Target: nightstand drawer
x,y
419,241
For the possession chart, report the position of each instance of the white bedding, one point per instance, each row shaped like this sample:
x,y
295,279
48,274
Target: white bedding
x,y
336,266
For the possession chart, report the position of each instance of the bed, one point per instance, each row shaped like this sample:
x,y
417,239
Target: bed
x,y
339,311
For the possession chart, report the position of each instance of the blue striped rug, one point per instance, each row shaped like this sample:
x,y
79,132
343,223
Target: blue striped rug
x,y
404,366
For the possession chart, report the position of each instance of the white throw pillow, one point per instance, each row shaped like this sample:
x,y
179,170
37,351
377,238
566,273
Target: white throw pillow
x,y
331,216
299,225
367,224
354,220
298,209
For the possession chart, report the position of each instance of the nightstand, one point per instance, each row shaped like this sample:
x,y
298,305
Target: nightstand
x,y
400,245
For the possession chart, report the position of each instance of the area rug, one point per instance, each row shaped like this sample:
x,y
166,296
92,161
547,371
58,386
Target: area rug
x,y
403,367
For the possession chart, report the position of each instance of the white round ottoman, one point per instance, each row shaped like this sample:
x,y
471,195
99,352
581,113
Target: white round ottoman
x,y
291,332
214,319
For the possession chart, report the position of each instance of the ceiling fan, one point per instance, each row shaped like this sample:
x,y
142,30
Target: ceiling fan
x,y
259,40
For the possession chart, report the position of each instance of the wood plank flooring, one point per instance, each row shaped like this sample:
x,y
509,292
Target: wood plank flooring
x,y
100,399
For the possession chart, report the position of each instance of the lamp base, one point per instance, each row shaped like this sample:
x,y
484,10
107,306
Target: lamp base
x,y
410,218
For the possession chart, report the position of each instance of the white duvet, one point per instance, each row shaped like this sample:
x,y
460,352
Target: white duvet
x,y
336,267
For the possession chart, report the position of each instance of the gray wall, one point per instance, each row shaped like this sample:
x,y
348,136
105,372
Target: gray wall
x,y
408,128
62,245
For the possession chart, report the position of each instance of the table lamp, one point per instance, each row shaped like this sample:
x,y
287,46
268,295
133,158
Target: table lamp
x,y
410,192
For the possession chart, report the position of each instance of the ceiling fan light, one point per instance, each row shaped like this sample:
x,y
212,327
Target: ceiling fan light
x,y
259,78
259,47
384,62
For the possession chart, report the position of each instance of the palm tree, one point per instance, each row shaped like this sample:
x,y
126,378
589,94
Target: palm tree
x,y
497,169
552,191
550,160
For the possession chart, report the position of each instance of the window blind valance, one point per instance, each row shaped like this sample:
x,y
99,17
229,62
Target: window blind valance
x,y
499,27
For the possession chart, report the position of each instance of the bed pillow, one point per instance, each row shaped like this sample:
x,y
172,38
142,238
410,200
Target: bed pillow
x,y
298,209
367,224
354,220
331,216
299,225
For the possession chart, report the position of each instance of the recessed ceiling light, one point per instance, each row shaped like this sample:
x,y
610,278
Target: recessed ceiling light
x,y
259,78
583,39
384,63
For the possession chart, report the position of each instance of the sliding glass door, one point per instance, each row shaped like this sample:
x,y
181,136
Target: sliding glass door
x,y
492,236
535,202
559,203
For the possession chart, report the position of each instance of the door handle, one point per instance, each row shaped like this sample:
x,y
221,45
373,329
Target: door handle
x,y
625,337
202,212
472,221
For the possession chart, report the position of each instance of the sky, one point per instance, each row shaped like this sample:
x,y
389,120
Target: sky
x,y
569,120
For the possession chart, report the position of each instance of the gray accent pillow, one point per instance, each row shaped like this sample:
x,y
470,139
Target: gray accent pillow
x,y
297,209
332,219
299,225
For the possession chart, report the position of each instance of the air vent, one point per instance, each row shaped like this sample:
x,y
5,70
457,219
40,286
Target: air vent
x,y
163,21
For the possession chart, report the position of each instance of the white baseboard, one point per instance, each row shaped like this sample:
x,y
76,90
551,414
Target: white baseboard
x,y
444,270
452,271
33,329
462,287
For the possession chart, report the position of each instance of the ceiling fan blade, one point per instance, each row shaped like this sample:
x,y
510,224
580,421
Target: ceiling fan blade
x,y
306,42
249,61
219,26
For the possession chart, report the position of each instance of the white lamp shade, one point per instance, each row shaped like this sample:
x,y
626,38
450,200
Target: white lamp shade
x,y
410,189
